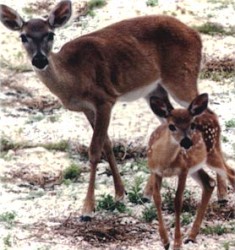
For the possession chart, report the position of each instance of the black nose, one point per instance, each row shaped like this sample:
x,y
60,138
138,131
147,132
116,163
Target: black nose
x,y
40,61
186,143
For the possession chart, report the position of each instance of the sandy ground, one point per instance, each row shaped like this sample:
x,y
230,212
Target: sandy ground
x,y
38,210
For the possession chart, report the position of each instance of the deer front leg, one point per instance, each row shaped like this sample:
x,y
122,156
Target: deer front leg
x,y
108,151
158,203
208,185
178,207
100,123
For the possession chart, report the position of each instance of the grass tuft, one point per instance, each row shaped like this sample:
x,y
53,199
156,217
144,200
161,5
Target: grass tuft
x,y
72,173
213,29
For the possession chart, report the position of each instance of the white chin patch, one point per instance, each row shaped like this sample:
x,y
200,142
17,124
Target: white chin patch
x,y
38,69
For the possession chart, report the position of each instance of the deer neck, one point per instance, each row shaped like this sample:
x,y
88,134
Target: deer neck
x,y
166,147
53,76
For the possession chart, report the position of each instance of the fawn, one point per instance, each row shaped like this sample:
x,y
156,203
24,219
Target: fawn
x,y
122,62
183,145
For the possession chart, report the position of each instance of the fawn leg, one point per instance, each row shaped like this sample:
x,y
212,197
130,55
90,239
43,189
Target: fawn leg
x,y
158,203
178,207
148,190
208,185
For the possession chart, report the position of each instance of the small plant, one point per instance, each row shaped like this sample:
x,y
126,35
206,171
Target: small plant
x,y
224,139
152,3
213,29
217,229
230,123
57,146
73,172
226,245
34,194
149,213
93,4
186,218
168,199
135,195
107,203
35,118
6,144
140,165
8,218
7,241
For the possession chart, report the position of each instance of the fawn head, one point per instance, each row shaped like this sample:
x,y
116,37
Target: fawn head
x,y
180,121
37,34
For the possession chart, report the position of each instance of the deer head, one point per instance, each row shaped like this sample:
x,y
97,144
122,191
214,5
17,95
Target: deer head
x,y
181,121
37,34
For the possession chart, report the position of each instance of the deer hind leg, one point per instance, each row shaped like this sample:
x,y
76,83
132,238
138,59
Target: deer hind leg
x,y
221,189
178,207
148,190
207,184
118,184
217,163
158,203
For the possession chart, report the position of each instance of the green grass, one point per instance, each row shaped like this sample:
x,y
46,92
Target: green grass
x,y
7,241
8,219
62,146
135,194
94,4
7,144
213,29
149,213
230,123
217,76
152,3
73,172
106,202
217,230
186,218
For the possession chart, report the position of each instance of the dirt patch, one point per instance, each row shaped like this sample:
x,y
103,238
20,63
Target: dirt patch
x,y
105,230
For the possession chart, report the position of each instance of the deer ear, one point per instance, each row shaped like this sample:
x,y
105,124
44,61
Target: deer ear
x,y
198,105
60,14
10,18
160,107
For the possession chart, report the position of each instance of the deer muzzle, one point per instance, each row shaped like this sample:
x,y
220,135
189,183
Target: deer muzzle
x,y
40,61
186,143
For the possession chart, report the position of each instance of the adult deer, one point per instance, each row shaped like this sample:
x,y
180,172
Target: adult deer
x,y
182,146
122,62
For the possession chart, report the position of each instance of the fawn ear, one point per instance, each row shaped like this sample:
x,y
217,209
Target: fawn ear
x,y
198,105
160,107
60,14
10,18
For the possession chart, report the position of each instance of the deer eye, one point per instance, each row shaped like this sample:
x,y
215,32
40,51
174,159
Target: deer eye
x,y
24,38
193,126
50,36
172,127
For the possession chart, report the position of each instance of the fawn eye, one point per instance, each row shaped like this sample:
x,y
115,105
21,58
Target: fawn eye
x,y
193,126
172,127
24,38
50,36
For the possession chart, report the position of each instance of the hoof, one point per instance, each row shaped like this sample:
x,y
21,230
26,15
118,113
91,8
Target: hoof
x,y
223,202
145,200
85,218
188,241
167,246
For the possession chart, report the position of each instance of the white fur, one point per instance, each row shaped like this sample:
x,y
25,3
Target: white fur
x,y
138,93
197,167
